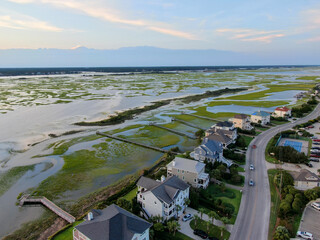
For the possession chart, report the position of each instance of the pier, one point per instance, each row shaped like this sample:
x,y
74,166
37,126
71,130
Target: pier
x,y
135,143
174,131
50,205
188,124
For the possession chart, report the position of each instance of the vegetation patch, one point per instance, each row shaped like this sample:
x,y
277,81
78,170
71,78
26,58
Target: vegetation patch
x,y
214,231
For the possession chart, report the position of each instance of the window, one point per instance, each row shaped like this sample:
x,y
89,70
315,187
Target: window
x,y
195,180
182,171
183,177
155,202
178,170
144,198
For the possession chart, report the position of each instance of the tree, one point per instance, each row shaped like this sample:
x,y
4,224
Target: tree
x,y
178,209
158,227
318,171
173,226
201,211
196,220
225,221
281,234
124,203
186,202
208,223
213,215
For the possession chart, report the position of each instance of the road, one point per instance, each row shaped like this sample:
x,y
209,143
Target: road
x,y
253,218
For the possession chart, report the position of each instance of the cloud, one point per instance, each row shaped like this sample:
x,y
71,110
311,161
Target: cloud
x,y
311,18
26,23
90,8
250,35
314,39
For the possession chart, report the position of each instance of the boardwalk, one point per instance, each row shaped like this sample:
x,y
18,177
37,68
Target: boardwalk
x,y
50,205
197,116
174,131
188,124
135,143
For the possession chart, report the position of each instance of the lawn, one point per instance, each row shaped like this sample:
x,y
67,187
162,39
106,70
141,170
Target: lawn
x,y
132,194
214,231
247,139
230,195
241,169
241,184
67,233
275,202
269,158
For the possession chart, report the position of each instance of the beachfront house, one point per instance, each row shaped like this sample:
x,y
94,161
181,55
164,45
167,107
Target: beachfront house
x,y
283,112
189,171
223,128
241,121
209,150
165,198
305,179
261,117
112,223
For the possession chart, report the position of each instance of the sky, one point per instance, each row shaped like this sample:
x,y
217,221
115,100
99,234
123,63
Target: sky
x,y
254,26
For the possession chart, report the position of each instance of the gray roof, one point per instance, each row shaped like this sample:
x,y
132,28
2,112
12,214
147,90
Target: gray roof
x,y
187,165
219,137
166,191
305,176
112,223
212,145
224,124
147,183
240,116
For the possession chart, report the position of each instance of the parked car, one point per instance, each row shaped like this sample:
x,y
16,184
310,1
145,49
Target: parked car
x,y
251,182
316,205
305,235
315,155
309,164
316,143
187,217
316,148
251,167
314,159
314,137
200,233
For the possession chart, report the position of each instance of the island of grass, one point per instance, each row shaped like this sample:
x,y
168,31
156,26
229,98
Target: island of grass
x,y
129,114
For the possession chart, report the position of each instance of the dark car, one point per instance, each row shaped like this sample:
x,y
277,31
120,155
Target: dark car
x,y
309,164
200,233
314,159
316,143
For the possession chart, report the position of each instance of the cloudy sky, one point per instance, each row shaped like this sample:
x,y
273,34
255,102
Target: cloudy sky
x,y
266,26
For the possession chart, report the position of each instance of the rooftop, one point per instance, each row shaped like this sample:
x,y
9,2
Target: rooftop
x,y
240,116
283,109
261,114
224,124
219,137
187,165
113,222
305,176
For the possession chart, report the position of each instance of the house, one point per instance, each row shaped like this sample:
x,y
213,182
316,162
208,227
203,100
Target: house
x,y
283,112
220,137
209,150
223,128
190,171
165,198
241,121
112,223
260,117
305,179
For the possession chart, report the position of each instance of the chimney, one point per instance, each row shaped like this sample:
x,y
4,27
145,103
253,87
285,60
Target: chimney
x,y
163,178
90,216
173,163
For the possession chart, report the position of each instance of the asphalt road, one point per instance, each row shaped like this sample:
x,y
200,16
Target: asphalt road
x,y
253,218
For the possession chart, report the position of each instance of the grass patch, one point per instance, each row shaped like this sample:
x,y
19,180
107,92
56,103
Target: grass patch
x,y
265,104
8,178
132,194
247,139
269,158
214,231
241,169
275,202
238,184
66,233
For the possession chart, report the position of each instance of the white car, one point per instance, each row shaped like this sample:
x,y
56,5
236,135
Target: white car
x,y
305,235
251,167
316,205
187,217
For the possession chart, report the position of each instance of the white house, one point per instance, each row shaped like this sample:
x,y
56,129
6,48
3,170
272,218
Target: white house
x,y
162,198
305,179
241,121
260,117
190,171
282,112
112,223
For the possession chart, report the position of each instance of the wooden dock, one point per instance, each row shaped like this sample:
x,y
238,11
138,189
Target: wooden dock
x,y
50,205
135,143
188,124
174,131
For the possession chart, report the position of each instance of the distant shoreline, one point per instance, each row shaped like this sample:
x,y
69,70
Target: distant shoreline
x,y
5,72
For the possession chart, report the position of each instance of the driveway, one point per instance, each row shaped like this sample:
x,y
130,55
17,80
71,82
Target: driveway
x,y
310,221
187,230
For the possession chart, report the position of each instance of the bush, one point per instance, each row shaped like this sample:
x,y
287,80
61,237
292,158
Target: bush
x,y
286,180
240,158
288,154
